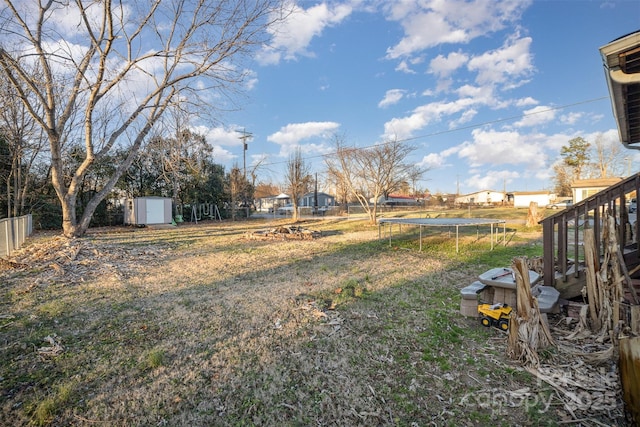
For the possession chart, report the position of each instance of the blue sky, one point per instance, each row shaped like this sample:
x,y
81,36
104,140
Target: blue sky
x,y
487,91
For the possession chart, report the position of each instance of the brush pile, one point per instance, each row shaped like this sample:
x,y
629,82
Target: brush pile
x,y
67,261
284,232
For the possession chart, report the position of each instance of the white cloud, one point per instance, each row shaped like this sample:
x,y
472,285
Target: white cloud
x,y
465,118
491,179
571,118
444,66
292,37
536,116
438,160
292,134
311,138
220,136
68,21
508,64
433,161
225,141
222,156
526,102
392,96
481,95
430,23
490,147
250,79
403,66
404,127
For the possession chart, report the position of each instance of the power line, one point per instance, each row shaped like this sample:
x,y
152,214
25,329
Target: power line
x,y
457,129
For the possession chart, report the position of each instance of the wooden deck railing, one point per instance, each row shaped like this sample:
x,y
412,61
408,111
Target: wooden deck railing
x,y
562,232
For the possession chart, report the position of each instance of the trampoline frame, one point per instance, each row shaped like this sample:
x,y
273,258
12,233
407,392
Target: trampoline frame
x,y
444,222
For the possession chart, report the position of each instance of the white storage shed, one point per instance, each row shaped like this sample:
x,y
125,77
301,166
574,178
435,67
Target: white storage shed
x,y
148,211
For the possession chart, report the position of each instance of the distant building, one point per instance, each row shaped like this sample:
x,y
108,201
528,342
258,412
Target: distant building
x,y
397,200
269,203
324,199
522,199
583,188
484,197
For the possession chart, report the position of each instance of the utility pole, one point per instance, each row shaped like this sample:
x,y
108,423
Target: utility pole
x,y
315,196
245,135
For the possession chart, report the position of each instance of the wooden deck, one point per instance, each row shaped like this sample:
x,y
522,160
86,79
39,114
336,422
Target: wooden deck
x,y
562,235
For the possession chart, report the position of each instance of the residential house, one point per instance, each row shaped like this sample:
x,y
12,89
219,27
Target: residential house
x,y
267,204
485,197
522,199
583,188
396,200
323,200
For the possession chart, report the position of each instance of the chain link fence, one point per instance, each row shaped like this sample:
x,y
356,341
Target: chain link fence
x,y
13,233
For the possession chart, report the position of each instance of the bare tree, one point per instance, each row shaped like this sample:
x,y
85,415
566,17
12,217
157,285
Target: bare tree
x,y
298,179
119,66
24,143
235,186
563,175
369,173
608,157
339,188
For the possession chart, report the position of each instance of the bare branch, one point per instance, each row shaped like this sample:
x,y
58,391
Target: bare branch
x,y
370,173
119,69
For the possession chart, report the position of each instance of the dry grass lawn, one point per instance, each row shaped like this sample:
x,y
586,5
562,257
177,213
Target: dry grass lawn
x,y
198,325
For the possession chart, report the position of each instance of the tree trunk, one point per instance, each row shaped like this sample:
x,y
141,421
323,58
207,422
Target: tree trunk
x,y
533,216
373,214
69,224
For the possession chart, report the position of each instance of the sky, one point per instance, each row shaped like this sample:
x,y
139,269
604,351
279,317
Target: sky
x,y
486,91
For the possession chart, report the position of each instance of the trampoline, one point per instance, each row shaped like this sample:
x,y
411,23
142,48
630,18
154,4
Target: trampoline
x,y
444,222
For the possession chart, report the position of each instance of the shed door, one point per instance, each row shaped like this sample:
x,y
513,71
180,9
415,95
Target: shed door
x,y
155,211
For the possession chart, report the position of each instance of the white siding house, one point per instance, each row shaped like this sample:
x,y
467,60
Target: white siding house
x,y
584,188
522,199
485,197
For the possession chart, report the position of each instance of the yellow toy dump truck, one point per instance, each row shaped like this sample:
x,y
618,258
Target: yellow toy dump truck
x,y
495,315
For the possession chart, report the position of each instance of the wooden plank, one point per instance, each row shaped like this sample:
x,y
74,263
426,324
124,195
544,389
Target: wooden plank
x,y
629,367
623,267
635,318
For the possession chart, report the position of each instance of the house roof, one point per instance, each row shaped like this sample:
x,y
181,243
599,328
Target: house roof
x,y
531,193
480,192
320,193
401,196
595,183
621,60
